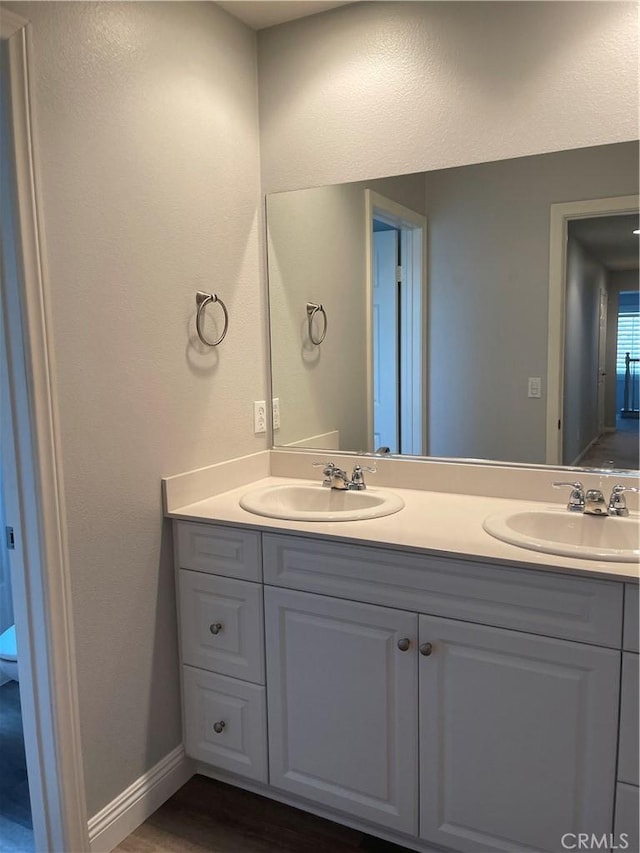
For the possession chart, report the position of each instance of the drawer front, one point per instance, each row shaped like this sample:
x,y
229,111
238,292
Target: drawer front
x,y
629,716
631,596
627,815
225,722
589,611
218,550
222,625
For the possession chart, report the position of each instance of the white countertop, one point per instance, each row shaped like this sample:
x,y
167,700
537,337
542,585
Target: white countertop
x,y
436,523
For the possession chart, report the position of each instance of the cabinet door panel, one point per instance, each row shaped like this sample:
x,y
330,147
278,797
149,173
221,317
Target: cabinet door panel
x,y
517,738
629,715
630,617
627,816
342,705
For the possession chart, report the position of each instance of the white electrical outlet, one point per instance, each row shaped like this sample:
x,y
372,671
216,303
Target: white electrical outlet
x,y
276,412
259,416
535,386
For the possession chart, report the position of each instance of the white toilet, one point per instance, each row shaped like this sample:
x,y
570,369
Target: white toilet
x,y
9,654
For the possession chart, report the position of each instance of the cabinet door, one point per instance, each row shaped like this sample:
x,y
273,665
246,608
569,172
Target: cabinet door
x,y
517,738
342,705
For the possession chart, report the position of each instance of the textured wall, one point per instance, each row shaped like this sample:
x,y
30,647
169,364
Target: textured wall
x,y
380,88
147,141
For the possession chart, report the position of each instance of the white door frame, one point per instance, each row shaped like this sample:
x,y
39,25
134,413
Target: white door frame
x,y
559,219
408,222
41,589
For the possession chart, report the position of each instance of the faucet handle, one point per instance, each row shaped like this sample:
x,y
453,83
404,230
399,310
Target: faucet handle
x,y
617,503
328,469
357,478
576,498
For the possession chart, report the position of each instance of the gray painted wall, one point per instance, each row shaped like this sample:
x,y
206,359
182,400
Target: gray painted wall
x,y
147,143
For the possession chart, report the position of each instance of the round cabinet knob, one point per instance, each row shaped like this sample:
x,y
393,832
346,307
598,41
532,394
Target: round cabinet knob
x,y
426,649
219,726
404,644
215,628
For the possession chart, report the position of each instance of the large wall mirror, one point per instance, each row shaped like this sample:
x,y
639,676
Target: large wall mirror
x,y
423,313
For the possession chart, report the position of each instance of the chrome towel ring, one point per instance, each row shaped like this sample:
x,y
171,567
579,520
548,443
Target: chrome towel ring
x,y
202,300
312,310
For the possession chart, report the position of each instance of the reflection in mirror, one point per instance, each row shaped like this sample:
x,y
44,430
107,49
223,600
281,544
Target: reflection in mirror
x,y
440,336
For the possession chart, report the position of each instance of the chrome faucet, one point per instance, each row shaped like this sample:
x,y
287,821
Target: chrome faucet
x,y
337,478
592,501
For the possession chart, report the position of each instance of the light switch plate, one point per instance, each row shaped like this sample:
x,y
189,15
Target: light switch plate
x,y
535,386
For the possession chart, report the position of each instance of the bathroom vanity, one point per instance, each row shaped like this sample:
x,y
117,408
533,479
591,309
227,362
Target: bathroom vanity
x,y
472,703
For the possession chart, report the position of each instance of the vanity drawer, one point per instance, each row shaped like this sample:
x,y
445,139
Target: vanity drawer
x,y
571,608
222,625
218,550
631,596
225,723
629,715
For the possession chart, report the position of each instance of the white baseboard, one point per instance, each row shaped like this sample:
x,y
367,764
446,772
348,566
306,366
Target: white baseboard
x,y
133,806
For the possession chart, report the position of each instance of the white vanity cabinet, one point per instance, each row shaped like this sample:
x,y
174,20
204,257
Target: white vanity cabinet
x,y
447,703
343,692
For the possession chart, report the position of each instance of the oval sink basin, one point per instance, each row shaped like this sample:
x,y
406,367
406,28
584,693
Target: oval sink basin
x,y
586,537
315,503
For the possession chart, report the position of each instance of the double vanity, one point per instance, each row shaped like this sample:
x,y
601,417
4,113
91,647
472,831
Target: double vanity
x,y
389,658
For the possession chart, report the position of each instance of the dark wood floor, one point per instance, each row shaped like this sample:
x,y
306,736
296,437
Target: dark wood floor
x,y
206,815
16,832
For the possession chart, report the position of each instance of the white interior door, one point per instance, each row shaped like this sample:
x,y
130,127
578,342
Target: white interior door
x,y
385,341
602,355
6,602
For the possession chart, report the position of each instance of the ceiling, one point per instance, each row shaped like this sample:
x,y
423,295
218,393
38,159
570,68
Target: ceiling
x,y
267,13
609,239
